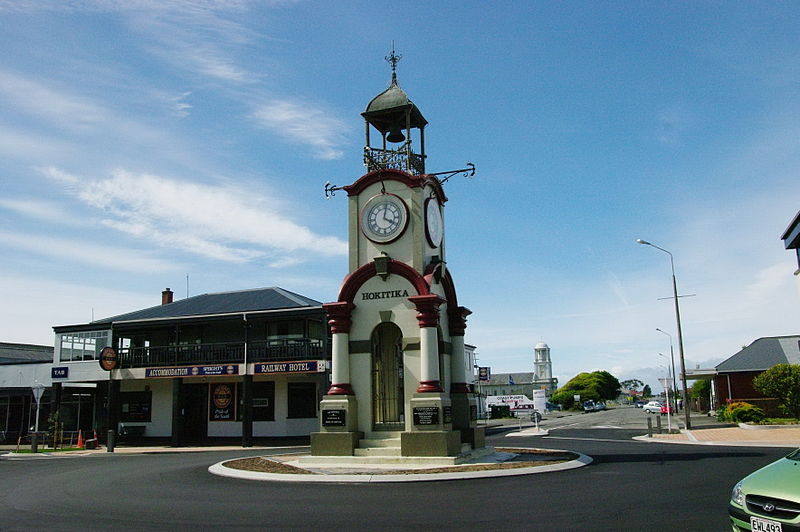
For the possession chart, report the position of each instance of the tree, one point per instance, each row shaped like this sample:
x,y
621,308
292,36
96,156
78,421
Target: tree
x,y
597,386
646,391
632,384
700,389
783,383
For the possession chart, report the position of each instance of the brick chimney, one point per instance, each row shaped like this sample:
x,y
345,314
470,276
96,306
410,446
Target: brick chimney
x,y
166,297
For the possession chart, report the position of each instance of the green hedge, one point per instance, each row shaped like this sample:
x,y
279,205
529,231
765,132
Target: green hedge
x,y
740,412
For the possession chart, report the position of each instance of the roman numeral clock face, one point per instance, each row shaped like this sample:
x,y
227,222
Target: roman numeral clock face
x,y
384,218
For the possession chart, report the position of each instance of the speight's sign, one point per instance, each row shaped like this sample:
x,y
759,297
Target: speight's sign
x,y
299,366
192,371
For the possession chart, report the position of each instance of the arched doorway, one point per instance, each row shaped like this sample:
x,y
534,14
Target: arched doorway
x,y
388,410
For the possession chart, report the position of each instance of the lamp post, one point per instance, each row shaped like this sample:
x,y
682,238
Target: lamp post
x,y
666,383
674,375
680,335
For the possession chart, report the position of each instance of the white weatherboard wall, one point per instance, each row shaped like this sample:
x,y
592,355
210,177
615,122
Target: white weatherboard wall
x,y
160,424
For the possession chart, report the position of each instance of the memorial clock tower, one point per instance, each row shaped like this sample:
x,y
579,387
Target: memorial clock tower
x,y
399,376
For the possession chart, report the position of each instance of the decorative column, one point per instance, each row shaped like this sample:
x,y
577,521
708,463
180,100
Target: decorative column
x,y
339,434
428,319
458,366
340,322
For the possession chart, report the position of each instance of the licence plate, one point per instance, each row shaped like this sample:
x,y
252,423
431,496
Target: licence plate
x,y
764,525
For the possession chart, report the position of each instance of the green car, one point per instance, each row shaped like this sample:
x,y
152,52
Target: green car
x,y
768,500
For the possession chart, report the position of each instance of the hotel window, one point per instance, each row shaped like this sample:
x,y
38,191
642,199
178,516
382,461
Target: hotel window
x,y
83,345
302,399
264,401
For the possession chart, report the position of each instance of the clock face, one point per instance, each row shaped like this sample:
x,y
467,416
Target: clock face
x,y
384,218
434,225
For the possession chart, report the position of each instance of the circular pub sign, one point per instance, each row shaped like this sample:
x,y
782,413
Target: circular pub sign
x,y
108,359
222,396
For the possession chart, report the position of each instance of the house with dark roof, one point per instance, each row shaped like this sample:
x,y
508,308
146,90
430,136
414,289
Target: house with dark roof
x,y
241,364
22,367
734,376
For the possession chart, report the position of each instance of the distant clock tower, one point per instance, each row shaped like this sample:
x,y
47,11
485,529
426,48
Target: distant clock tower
x,y
398,364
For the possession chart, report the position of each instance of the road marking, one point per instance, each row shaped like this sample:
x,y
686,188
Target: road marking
x,y
586,439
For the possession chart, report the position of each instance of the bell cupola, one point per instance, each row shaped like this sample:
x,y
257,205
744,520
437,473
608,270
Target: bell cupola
x,y
395,117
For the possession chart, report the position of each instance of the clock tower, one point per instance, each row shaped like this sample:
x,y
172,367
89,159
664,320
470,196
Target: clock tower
x,y
399,372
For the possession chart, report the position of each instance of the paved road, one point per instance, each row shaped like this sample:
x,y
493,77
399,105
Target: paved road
x,y
630,486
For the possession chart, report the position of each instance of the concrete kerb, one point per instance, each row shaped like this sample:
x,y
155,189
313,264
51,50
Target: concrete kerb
x,y
221,470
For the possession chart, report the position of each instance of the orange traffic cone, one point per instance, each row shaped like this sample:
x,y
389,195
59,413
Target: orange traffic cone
x,y
81,443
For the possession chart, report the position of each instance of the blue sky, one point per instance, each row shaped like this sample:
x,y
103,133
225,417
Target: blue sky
x,y
144,141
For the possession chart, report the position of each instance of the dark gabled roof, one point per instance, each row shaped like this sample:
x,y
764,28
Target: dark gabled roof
x,y
791,237
763,354
220,303
25,353
518,378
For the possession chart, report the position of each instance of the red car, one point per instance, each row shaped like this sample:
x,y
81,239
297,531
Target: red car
x,y
664,409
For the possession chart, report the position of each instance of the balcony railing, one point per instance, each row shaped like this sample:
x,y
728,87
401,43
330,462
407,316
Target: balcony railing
x,y
400,159
223,353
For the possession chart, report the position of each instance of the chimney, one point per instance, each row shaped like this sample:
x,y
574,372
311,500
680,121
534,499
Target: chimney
x,y
166,297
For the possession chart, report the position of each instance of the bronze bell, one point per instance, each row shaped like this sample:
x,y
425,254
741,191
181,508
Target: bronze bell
x,y
396,134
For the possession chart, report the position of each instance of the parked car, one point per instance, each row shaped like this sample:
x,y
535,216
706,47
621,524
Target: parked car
x,y
639,404
588,406
653,407
600,405
768,499
664,409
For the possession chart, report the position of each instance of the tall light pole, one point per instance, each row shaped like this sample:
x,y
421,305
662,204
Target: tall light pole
x,y
680,335
672,378
672,357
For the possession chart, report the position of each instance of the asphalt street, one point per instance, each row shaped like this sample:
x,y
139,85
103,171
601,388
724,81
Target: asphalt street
x,y
631,485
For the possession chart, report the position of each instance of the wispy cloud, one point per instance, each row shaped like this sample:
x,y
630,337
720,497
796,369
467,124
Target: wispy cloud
x,y
47,211
85,252
304,123
219,222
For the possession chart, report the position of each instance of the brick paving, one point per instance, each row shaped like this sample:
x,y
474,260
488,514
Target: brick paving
x,y
767,436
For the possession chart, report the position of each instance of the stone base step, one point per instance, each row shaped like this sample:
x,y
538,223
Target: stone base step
x,y
381,442
377,451
424,461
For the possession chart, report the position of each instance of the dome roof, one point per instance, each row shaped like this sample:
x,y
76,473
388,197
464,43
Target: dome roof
x,y
390,106
542,345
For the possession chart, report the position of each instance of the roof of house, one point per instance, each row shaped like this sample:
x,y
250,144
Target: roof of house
x,y
11,353
791,236
764,353
220,303
503,378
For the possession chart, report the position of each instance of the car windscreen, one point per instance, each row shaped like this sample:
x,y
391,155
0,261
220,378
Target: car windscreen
x,y
794,455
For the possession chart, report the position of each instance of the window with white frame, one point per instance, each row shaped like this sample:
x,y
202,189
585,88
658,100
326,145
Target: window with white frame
x,y
85,345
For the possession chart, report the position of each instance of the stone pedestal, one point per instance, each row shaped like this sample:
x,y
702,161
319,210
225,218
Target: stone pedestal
x,y
431,430
465,419
338,434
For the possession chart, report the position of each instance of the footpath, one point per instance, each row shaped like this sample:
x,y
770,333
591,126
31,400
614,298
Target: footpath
x,y
708,431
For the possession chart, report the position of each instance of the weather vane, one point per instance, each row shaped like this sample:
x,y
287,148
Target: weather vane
x,y
393,59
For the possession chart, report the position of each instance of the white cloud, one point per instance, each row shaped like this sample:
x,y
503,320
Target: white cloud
x,y
42,210
57,107
84,252
40,304
303,123
220,222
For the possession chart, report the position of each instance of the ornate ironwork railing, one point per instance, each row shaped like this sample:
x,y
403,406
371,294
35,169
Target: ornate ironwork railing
x,y
400,159
223,353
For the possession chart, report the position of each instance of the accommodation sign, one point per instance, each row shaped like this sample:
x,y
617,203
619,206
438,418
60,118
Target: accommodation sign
x,y
192,371
299,366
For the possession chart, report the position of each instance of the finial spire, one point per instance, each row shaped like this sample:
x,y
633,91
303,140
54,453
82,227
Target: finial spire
x,y
393,59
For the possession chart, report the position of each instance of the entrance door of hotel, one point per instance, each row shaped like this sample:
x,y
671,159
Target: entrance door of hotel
x,y
388,403
195,412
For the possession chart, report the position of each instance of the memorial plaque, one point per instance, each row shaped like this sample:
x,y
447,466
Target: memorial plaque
x,y
334,418
426,415
448,414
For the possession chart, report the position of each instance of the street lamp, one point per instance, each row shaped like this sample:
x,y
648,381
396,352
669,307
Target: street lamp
x,y
680,335
674,375
666,384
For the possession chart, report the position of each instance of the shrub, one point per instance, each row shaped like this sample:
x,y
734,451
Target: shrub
x,y
741,412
